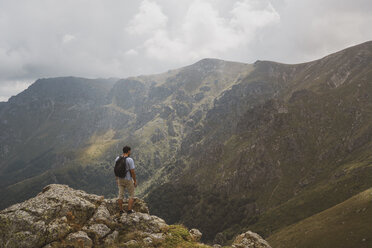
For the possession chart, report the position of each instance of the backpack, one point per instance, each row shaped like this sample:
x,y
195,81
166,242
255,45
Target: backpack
x,y
120,169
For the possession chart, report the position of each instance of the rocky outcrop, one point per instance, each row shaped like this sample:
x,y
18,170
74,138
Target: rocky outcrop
x,y
60,216
250,240
195,234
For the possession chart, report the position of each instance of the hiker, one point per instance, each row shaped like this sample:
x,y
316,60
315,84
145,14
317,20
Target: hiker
x,y
125,178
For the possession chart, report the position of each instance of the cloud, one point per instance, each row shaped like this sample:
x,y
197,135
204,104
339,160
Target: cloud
x,y
203,32
249,15
309,30
150,18
11,88
121,38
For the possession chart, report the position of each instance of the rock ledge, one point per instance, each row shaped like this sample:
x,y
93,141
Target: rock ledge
x,y
60,216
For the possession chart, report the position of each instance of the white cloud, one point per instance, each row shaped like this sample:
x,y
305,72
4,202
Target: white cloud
x,y
249,15
206,29
11,88
203,32
149,19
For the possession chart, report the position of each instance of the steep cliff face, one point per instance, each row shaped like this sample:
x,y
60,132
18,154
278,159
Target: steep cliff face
x,y
60,216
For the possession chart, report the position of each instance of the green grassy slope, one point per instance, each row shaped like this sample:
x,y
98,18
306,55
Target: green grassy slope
x,y
347,224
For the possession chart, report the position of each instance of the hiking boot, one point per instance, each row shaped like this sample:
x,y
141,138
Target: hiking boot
x,y
130,211
121,212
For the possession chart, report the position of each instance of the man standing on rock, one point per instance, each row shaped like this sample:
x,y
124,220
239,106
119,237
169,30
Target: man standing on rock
x,y
125,178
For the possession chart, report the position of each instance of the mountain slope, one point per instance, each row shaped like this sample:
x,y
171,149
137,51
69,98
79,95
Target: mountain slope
x,y
285,143
69,130
345,225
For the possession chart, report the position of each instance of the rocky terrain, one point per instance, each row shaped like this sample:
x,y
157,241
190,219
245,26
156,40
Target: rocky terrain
x,y
60,216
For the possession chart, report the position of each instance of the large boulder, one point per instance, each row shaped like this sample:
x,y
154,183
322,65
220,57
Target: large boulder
x,y
79,239
195,234
143,222
58,212
52,214
250,240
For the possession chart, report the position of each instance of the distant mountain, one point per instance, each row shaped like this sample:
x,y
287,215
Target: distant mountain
x,y
220,146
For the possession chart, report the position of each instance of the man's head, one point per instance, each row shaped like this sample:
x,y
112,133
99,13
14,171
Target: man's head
x,y
126,150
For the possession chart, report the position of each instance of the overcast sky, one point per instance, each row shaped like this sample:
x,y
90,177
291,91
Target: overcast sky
x,y
121,38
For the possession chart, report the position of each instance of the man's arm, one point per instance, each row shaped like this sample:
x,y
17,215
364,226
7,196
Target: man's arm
x,y
131,169
134,177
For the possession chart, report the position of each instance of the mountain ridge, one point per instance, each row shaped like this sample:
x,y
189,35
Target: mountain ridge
x,y
295,102
104,119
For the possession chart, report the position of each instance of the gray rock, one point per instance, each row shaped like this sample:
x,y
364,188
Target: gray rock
x,y
143,222
195,234
79,239
100,230
102,215
47,217
157,236
250,240
58,228
22,239
111,238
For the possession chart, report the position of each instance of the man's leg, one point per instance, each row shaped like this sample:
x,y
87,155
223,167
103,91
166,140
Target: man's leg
x,y
120,202
121,195
131,195
130,203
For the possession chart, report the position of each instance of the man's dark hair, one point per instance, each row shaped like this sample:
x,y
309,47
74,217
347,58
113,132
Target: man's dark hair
x,y
126,149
